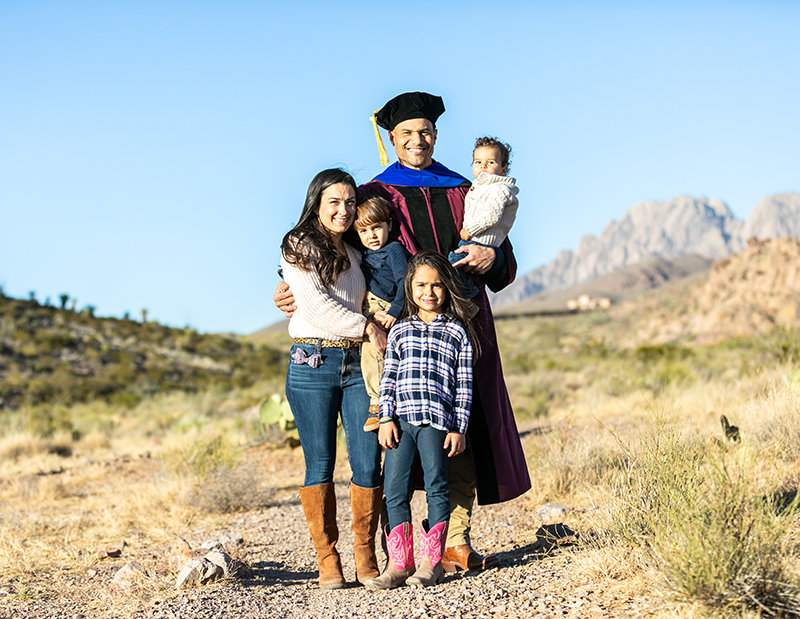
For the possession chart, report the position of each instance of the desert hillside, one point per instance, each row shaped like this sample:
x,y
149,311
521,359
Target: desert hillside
x,y
55,356
746,294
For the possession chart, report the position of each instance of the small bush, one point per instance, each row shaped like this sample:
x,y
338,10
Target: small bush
x,y
781,345
618,383
653,352
17,445
229,490
667,374
202,459
217,481
773,419
709,528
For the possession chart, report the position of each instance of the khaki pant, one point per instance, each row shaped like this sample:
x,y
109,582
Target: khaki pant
x,y
462,498
371,359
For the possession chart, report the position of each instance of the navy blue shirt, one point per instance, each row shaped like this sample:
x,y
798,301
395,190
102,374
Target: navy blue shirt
x,y
384,271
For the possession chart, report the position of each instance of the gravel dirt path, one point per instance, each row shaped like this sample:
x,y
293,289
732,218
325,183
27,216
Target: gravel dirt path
x,y
278,549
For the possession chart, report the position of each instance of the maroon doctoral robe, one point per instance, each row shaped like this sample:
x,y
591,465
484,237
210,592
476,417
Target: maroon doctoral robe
x,y
430,217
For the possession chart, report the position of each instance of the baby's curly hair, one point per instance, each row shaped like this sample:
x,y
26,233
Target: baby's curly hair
x,y
505,149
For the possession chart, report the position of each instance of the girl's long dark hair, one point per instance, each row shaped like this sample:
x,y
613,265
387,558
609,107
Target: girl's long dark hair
x,y
309,243
455,303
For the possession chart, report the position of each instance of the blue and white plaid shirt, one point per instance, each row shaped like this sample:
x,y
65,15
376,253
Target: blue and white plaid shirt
x,y
427,373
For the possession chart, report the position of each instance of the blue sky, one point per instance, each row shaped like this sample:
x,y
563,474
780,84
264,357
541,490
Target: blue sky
x,y
154,153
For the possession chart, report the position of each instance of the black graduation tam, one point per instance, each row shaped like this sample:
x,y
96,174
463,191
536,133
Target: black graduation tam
x,y
407,106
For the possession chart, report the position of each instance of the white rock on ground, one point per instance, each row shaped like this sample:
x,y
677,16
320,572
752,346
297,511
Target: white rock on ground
x,y
229,565
128,574
552,512
198,572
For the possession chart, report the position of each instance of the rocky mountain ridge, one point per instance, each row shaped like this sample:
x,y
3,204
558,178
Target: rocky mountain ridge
x,y
652,229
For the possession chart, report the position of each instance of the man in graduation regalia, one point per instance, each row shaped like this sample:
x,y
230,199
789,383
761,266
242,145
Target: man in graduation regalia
x,y
428,201
428,209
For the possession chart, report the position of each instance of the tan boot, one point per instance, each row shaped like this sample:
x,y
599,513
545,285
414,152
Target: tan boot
x,y
366,506
319,505
430,571
400,543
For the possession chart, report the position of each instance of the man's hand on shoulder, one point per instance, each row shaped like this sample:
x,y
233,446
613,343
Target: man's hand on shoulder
x,y
284,299
477,258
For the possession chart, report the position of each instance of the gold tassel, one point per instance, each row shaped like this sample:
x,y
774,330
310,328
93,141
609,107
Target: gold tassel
x,y
381,149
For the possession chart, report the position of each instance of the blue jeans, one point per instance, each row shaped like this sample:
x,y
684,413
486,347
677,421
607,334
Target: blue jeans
x,y
317,396
429,442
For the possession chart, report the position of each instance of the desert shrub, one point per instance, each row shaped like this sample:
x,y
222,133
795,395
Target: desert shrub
x,y
535,393
201,458
16,445
655,352
781,345
597,348
667,374
640,490
229,490
773,419
41,420
707,524
217,480
536,404
125,399
618,383
522,363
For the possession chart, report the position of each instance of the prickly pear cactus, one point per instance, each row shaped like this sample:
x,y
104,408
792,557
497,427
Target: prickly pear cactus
x,y
275,410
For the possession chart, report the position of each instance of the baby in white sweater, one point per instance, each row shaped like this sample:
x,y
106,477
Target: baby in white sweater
x,y
491,203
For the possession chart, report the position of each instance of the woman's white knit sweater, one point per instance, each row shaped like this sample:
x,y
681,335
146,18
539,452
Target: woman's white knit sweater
x,y
327,313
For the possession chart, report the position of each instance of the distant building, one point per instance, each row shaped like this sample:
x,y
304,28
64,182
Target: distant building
x,y
585,302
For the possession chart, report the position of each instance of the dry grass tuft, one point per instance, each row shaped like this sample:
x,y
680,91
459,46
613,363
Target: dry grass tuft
x,y
96,440
702,514
229,490
773,419
575,459
21,445
214,478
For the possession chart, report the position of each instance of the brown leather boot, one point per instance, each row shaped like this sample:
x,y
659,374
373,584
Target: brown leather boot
x,y
366,506
400,543
465,558
319,505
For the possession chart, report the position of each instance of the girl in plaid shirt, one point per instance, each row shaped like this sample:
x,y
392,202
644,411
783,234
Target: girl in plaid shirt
x,y
425,398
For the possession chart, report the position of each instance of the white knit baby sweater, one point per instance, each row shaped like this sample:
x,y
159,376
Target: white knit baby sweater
x,y
327,313
490,208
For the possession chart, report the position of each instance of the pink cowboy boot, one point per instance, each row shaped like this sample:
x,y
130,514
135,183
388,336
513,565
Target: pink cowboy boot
x,y
430,570
400,544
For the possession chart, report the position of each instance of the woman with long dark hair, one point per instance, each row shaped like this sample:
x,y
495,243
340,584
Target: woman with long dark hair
x,y
324,377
